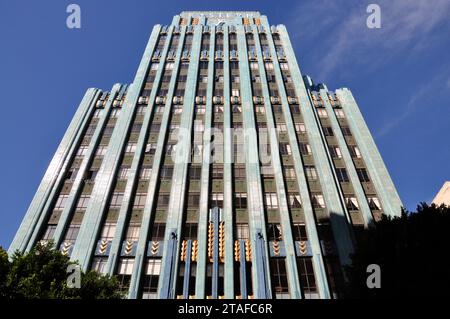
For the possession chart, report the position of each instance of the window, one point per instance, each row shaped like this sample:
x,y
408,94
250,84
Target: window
x,y
154,66
99,264
256,79
115,112
351,203
354,151
158,231
271,201
49,232
217,172
163,200
150,148
339,113
151,278
346,131
362,174
83,202
267,171
305,148
217,200
260,109
328,131
335,151
169,65
82,150
235,92
145,172
239,172
342,175
281,127
108,231
240,200
123,172
155,127
300,127
72,233
279,278
195,172
72,173
139,200
130,148
101,150
254,65
190,231
193,200
284,66
97,113
322,113
274,232
116,200
141,109
289,172
317,201
136,128
90,130
108,131
268,65
177,109
200,109
199,126
170,149
133,232
125,269
285,149
91,174
295,201
242,231
374,203
299,232
307,279
61,201
311,173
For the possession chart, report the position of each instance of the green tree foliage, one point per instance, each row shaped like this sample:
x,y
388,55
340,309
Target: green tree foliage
x,y
42,273
411,251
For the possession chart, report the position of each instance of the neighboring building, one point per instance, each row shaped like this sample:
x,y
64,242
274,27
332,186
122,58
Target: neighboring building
x,y
443,196
133,191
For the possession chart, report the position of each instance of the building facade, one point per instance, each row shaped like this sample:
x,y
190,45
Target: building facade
x,y
220,172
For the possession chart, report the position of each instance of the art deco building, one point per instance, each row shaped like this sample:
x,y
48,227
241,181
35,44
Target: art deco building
x,y
220,172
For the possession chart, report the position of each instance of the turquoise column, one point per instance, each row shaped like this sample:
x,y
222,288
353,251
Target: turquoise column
x,y
77,186
202,233
317,258
257,224
182,159
39,208
133,174
338,217
90,227
357,187
227,172
151,200
387,193
291,263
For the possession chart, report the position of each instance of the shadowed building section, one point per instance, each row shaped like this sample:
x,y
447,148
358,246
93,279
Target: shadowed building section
x,y
220,172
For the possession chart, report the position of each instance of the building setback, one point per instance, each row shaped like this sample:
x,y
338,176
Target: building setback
x,y
220,172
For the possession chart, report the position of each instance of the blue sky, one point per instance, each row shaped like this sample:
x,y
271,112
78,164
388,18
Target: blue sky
x,y
399,74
